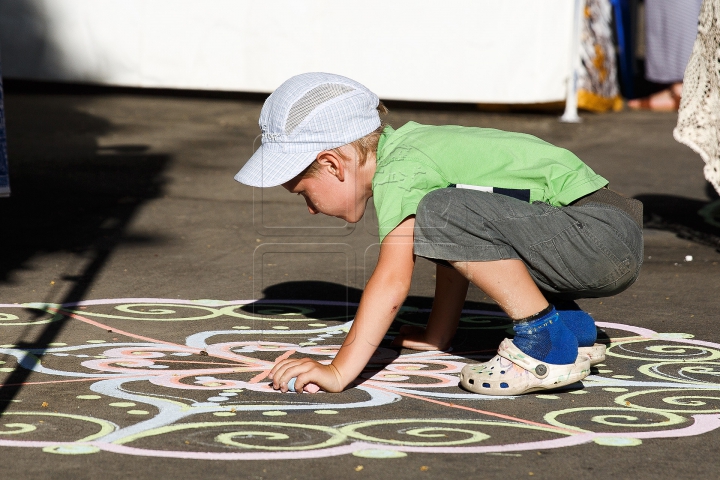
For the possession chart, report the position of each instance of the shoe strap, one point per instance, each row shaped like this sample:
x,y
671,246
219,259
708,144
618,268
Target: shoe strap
x,y
509,351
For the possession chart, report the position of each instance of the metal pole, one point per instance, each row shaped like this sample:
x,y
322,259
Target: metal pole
x,y
571,110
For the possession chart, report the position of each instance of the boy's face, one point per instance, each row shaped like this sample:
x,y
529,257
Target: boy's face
x,y
339,188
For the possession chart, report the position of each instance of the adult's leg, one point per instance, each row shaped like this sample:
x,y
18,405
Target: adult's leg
x,y
670,27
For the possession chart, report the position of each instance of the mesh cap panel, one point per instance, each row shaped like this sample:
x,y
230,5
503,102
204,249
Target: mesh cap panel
x,y
311,100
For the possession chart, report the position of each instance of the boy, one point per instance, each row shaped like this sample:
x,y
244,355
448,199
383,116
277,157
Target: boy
x,y
521,219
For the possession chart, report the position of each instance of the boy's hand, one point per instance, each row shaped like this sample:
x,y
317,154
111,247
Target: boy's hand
x,y
306,371
384,294
417,338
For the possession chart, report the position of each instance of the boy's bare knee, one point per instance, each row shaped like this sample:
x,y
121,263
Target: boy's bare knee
x,y
461,266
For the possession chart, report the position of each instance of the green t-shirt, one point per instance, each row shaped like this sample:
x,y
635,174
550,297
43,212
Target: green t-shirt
x,y
416,159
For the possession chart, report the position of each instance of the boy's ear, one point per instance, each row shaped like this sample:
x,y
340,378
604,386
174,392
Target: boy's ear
x,y
332,162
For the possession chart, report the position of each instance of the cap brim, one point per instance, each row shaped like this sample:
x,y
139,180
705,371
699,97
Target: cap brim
x,y
270,169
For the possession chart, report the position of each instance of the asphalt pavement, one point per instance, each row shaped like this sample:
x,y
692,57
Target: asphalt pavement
x,y
144,295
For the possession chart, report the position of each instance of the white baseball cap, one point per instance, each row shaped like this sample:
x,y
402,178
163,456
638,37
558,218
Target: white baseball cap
x,y
306,115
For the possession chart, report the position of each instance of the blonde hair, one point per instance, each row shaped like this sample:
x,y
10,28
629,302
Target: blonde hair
x,y
363,146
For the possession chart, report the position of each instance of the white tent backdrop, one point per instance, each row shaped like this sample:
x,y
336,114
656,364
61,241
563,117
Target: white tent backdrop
x,y
487,51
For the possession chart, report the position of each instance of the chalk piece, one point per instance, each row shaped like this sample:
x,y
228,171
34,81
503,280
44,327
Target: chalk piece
x,y
310,387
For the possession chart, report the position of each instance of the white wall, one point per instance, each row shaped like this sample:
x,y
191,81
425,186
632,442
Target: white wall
x,y
491,51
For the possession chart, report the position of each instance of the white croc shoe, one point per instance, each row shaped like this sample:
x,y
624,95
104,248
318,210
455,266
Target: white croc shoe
x,y
596,353
512,372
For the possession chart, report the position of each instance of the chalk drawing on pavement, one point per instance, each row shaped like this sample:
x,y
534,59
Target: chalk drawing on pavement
x,y
194,392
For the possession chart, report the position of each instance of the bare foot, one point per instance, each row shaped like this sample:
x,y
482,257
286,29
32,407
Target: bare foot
x,y
414,338
667,100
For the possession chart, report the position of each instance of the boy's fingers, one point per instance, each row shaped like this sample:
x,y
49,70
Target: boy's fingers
x,y
312,379
300,383
285,370
279,376
276,367
298,372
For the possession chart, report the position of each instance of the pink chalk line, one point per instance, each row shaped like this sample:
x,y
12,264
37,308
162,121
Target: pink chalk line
x,y
702,424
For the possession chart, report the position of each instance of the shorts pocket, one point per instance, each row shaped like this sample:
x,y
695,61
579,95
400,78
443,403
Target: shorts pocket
x,y
576,260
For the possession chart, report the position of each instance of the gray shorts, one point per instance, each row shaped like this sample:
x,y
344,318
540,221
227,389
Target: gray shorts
x,y
593,250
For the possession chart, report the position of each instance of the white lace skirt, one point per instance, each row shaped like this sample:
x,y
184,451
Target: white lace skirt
x,y
698,124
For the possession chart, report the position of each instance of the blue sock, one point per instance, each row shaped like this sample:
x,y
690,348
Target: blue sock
x,y
580,323
546,339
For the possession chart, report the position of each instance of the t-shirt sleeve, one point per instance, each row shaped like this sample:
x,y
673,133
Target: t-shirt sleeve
x,y
398,187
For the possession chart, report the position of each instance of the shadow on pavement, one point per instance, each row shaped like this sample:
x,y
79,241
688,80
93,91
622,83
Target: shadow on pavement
x,y
480,332
477,331
69,195
478,335
335,292
690,219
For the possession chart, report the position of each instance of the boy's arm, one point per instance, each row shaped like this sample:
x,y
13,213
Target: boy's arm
x,y
450,292
383,296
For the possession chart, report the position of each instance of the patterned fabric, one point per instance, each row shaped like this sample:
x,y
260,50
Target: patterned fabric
x,y
307,114
310,101
670,29
597,80
698,124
